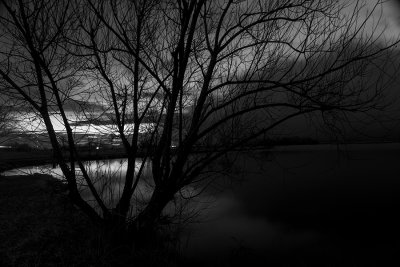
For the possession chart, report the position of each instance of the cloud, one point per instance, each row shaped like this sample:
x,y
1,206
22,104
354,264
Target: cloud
x,y
384,22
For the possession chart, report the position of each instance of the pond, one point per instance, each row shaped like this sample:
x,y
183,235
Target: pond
x,y
311,204
308,204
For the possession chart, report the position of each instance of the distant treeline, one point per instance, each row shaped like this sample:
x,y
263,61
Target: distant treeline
x,y
284,141
267,142
21,147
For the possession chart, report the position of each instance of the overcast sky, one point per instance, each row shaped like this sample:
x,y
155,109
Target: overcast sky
x,y
389,21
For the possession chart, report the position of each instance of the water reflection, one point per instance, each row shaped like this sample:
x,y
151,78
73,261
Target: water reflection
x,y
312,201
307,204
108,177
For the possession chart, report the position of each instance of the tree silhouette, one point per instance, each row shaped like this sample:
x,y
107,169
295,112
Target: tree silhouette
x,y
3,121
176,77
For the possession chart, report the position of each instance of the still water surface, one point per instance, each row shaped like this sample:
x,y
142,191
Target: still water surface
x,y
295,204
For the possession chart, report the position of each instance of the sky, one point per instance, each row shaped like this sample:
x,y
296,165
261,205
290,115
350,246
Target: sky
x,y
390,17
389,21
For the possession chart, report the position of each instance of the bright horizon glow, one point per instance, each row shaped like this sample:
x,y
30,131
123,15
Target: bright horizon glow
x,y
30,122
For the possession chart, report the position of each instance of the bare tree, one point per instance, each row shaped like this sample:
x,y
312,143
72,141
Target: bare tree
x,y
4,122
173,75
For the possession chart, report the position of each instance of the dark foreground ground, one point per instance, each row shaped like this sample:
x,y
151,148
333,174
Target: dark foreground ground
x,y
40,227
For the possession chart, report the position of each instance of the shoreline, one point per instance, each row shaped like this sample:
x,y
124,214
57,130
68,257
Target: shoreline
x,y
12,159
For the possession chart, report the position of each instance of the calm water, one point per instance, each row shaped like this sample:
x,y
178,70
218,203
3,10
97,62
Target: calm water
x,y
310,204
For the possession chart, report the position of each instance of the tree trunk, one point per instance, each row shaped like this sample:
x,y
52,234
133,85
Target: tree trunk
x,y
145,225
114,230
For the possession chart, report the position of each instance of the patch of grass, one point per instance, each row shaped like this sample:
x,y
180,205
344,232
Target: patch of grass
x,y
40,227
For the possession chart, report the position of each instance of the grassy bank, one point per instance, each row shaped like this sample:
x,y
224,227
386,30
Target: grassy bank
x,y
40,227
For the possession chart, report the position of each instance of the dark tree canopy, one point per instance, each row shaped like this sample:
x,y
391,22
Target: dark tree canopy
x,y
167,78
